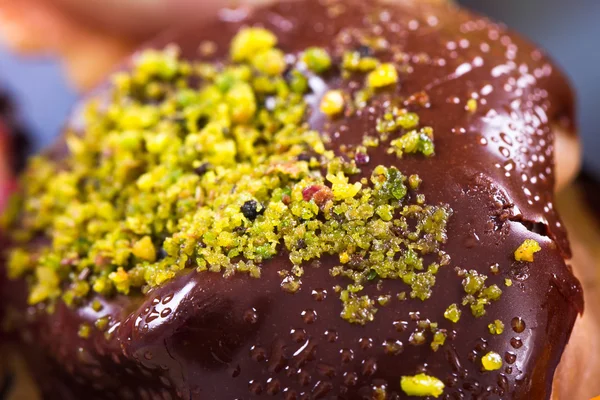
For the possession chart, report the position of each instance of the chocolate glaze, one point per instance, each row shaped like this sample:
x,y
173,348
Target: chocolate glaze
x,y
201,336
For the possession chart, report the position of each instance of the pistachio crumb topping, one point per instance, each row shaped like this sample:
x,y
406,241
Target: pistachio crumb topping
x,y
526,250
411,140
491,361
193,165
102,323
144,249
354,61
332,102
383,75
84,331
471,105
439,338
452,313
316,59
422,385
478,295
18,263
97,306
270,62
496,327
251,41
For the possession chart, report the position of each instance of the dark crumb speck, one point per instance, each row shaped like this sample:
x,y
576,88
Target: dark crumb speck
x,y
396,230
250,209
161,254
304,157
201,122
202,169
240,229
356,260
364,51
361,158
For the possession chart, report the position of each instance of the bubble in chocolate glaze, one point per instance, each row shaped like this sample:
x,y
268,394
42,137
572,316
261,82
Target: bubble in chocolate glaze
x,y
518,324
516,342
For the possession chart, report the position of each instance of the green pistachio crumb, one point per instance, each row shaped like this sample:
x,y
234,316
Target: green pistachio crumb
x,y
144,249
526,250
496,327
121,280
316,59
452,313
414,142
332,102
383,75
492,292
414,182
353,61
422,385
155,63
250,41
102,323
473,282
291,284
407,120
384,300
491,361
362,97
19,263
357,310
478,295
242,102
495,269
47,283
270,62
84,331
417,338
298,82
439,338
471,105
97,306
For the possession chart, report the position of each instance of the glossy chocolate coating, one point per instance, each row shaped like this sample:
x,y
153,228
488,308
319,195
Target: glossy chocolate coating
x,y
202,336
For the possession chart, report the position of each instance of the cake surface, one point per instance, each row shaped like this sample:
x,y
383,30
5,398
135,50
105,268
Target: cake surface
x,y
365,211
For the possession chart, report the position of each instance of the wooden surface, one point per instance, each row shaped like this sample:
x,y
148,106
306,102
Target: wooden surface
x,y
578,375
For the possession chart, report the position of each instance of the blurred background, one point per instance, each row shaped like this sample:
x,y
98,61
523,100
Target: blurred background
x,y
569,30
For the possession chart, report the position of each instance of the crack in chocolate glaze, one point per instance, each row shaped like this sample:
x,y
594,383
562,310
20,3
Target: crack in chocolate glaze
x,y
538,228
493,165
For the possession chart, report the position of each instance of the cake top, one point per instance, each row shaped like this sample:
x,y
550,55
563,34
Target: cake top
x,y
409,155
